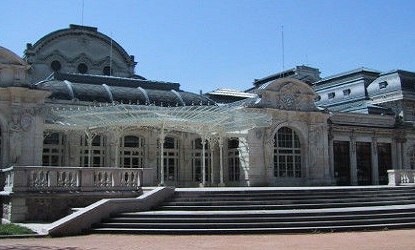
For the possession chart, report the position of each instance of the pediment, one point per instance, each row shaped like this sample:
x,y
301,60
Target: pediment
x,y
288,94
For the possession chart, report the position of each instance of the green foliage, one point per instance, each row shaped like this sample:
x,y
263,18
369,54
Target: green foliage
x,y
12,229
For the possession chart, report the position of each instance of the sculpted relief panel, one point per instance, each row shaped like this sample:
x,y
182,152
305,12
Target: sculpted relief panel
x,y
288,94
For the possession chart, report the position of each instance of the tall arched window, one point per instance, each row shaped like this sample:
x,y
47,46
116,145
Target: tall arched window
x,y
53,145
197,160
131,152
233,160
287,154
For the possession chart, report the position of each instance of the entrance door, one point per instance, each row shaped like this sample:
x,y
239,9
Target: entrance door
x,y
341,151
364,163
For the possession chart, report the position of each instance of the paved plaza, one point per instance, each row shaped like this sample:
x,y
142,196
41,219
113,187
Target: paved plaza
x,y
387,239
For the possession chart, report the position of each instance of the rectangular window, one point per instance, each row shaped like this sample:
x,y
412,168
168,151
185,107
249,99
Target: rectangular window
x,y
53,146
92,155
331,95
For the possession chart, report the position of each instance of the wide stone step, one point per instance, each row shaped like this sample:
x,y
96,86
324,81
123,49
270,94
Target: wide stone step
x,y
248,206
301,192
259,224
243,218
265,210
284,200
253,230
295,196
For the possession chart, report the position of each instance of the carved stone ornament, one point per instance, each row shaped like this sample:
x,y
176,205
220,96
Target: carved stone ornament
x,y
26,121
288,94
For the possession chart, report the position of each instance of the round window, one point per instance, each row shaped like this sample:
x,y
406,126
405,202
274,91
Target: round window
x,y
82,68
55,65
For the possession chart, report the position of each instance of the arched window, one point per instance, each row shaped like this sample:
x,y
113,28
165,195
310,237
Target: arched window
x,y
131,152
233,160
197,160
53,145
287,154
97,152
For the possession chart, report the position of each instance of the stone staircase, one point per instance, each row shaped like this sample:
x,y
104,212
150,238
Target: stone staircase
x,y
271,210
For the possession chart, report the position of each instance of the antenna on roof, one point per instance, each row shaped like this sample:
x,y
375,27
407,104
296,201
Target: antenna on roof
x,y
82,13
283,50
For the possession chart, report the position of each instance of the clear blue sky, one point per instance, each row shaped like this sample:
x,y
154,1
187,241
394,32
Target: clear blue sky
x,y
210,44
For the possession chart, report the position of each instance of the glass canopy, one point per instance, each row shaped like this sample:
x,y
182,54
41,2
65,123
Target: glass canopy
x,y
203,120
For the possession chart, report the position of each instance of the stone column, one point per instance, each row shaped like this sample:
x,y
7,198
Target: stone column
x,y
353,160
73,149
212,163
331,154
89,139
161,147
375,163
399,140
114,148
221,184
15,136
203,162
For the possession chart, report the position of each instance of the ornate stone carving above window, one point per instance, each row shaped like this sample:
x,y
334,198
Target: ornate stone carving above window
x,y
288,94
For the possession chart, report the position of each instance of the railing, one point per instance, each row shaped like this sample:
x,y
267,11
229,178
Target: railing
x,y
71,179
399,177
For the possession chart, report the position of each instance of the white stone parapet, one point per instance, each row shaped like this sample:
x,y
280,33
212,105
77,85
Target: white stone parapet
x,y
398,177
74,179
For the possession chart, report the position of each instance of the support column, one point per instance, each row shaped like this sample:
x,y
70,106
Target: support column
x,y
115,149
161,147
221,184
89,139
399,141
375,162
203,162
353,160
331,156
212,172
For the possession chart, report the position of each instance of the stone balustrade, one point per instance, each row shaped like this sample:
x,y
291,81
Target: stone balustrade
x,y
71,179
399,177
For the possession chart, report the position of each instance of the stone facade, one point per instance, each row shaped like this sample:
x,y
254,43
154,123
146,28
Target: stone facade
x,y
314,137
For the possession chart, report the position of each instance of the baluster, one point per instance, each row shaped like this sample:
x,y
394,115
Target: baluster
x,y
110,179
125,179
99,182
132,180
33,177
70,180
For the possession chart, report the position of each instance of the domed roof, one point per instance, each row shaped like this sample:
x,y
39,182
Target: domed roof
x,y
7,57
12,69
78,49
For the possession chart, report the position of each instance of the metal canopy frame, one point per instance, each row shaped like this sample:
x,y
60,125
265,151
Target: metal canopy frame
x,y
202,120
212,123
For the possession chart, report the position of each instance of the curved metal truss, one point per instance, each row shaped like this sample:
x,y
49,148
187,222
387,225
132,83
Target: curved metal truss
x,y
203,120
